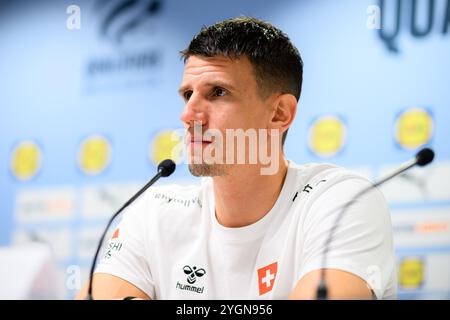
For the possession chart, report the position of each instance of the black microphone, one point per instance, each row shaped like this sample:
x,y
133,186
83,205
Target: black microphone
x,y
422,158
165,169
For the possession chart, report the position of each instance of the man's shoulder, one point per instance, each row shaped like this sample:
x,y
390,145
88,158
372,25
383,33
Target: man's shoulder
x,y
326,174
323,182
326,186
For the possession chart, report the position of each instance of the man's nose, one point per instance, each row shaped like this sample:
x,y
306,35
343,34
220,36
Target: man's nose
x,y
194,111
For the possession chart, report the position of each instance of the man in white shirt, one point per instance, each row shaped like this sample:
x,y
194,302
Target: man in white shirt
x,y
256,228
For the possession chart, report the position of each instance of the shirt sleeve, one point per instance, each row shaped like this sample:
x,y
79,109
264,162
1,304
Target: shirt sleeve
x,y
126,254
362,241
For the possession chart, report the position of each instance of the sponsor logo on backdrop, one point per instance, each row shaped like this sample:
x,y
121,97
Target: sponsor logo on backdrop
x,y
94,155
413,128
26,160
45,204
56,238
327,136
121,18
425,227
167,144
100,201
411,273
132,55
87,241
419,19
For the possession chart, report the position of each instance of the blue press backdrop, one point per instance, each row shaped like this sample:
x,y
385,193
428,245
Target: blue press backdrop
x,y
119,80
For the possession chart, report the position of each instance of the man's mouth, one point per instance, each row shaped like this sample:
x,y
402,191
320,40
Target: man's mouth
x,y
202,142
192,141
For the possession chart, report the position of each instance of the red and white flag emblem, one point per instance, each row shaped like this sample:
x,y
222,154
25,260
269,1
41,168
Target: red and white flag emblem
x,y
115,234
266,278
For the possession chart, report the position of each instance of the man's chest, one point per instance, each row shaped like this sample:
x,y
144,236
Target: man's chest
x,y
210,269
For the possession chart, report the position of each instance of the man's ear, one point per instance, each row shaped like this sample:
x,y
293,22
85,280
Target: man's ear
x,y
283,112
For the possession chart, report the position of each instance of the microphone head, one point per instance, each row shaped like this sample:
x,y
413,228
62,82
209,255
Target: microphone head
x,y
424,157
166,167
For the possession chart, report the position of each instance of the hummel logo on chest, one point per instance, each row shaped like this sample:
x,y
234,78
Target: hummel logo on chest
x,y
192,274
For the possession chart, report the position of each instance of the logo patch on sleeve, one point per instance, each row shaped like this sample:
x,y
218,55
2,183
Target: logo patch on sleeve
x,y
115,234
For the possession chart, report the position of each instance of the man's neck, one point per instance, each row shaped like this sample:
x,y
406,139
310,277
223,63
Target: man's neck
x,y
245,196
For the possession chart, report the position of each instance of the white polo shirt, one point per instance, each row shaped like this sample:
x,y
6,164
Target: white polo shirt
x,y
170,245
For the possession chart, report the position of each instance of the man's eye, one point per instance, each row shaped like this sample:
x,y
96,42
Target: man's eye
x,y
219,92
187,95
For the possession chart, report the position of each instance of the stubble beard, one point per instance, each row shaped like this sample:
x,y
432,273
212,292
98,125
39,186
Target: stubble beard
x,y
208,170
